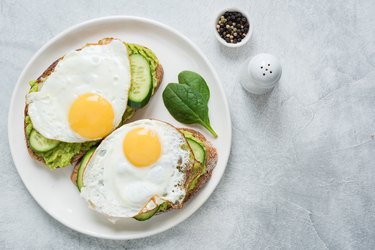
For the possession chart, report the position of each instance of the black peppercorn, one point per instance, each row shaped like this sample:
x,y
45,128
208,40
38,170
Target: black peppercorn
x,y
232,26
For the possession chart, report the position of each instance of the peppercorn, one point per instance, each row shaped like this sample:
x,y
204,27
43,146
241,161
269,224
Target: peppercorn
x,y
232,26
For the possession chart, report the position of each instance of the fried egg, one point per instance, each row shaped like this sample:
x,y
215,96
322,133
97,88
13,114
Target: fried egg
x,y
85,96
136,168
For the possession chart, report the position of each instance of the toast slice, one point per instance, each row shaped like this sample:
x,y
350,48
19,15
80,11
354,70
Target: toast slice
x,y
42,78
211,158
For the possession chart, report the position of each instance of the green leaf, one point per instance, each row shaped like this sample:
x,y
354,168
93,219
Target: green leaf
x,y
195,81
186,105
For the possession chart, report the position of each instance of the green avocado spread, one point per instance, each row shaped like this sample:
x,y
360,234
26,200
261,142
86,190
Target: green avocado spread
x,y
64,152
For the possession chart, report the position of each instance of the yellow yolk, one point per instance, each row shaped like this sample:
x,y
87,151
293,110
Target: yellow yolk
x,y
141,147
91,116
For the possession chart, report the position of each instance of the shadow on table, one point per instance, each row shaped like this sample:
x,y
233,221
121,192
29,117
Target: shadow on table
x,y
237,54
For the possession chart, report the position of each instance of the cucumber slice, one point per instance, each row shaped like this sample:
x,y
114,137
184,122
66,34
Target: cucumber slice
x,y
141,81
41,144
198,150
147,215
82,167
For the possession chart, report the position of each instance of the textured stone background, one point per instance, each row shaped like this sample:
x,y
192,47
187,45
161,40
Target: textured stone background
x,y
302,169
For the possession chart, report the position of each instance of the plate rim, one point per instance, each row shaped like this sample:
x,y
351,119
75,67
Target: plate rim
x,y
121,18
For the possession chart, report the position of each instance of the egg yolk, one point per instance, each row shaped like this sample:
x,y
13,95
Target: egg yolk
x,y
91,116
141,147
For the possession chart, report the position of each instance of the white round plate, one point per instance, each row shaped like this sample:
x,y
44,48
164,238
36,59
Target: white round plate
x,y
53,190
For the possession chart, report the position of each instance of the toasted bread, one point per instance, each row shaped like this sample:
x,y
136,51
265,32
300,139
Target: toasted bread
x,y
159,75
211,160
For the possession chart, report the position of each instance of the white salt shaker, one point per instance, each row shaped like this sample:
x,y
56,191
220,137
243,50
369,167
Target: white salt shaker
x,y
260,74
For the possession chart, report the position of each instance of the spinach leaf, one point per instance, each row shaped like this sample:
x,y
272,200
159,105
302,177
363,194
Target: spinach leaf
x,y
195,81
187,105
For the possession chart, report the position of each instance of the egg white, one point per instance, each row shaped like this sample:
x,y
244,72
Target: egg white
x,y
117,189
98,69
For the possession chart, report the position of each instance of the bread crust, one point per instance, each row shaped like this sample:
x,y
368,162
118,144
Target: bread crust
x,y
48,72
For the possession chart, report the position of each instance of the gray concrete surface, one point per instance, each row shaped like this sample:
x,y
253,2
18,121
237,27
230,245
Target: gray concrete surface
x,y
302,169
